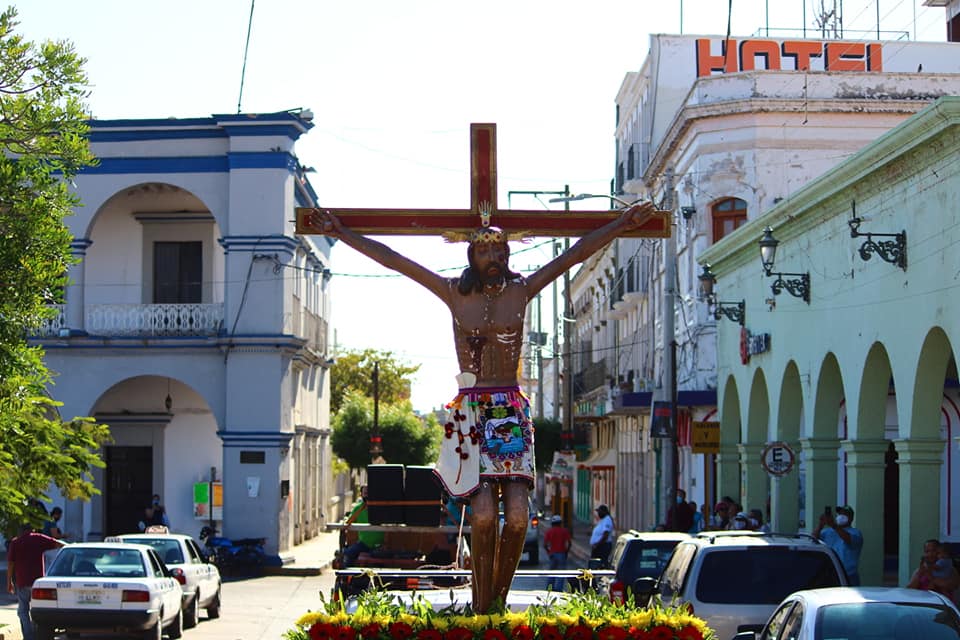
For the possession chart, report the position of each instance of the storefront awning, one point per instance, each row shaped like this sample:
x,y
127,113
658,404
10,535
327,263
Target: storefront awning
x,y
600,458
638,402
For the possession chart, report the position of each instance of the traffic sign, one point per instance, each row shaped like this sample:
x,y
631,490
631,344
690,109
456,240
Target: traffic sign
x,y
777,458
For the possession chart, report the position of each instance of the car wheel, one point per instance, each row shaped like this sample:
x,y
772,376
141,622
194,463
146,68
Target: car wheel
x,y
192,618
44,632
175,628
213,609
156,631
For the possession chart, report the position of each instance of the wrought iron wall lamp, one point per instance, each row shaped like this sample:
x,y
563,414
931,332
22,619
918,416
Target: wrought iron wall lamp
x,y
733,311
892,251
796,284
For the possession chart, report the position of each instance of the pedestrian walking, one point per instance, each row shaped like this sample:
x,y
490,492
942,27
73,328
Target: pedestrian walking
x,y
601,538
557,541
839,534
24,565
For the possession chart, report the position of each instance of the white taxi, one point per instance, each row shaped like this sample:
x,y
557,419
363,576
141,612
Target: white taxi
x,y
107,588
199,578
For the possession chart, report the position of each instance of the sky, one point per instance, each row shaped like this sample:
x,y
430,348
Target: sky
x,y
394,86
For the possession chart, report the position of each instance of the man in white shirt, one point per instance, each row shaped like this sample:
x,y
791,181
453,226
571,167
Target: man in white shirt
x,y
601,539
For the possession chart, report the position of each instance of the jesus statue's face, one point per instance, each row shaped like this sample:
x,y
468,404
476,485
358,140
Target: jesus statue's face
x,y
489,261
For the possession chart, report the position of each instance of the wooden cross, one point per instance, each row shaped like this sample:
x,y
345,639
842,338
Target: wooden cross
x,y
483,196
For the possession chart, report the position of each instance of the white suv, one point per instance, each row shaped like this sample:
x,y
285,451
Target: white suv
x,y
735,580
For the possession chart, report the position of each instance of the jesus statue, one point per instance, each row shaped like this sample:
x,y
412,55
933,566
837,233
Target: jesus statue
x,y
487,449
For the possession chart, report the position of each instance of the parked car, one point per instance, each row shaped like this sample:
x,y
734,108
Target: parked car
x,y
735,580
640,555
197,575
107,587
861,612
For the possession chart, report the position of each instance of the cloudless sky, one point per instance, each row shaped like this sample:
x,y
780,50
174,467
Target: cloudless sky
x,y
394,86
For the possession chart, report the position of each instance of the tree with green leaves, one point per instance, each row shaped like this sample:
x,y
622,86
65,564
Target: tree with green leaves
x,y
406,438
548,441
353,370
43,144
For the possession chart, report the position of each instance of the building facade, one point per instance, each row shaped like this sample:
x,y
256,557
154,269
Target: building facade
x,y
859,379
195,326
718,133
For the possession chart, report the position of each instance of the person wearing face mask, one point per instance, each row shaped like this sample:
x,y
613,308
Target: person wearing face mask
x,y
680,515
847,541
741,522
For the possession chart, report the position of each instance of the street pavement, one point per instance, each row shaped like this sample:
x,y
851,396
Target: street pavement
x,y
263,608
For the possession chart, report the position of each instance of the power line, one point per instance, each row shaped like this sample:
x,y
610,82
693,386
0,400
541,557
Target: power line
x,y
246,50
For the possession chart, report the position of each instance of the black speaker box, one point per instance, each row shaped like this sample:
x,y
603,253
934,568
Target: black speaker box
x,y
385,485
421,485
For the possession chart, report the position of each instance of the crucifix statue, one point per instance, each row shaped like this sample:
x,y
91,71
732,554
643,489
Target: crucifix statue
x,y
487,448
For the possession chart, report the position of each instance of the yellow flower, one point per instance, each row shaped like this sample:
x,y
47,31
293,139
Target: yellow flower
x,y
461,621
340,617
408,618
641,619
440,623
514,619
495,620
383,621
310,619
616,622
567,620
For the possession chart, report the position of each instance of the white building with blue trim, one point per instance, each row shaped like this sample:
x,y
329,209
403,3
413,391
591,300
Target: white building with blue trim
x,y
195,325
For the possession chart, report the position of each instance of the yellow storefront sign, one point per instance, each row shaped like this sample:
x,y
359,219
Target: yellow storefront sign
x,y
705,437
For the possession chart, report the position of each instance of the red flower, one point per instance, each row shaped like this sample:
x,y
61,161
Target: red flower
x,y
690,632
550,632
639,634
458,633
522,632
494,634
321,631
344,633
429,634
661,632
579,632
612,633
400,630
369,631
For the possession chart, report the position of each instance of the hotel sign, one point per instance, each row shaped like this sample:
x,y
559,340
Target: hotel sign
x,y
731,56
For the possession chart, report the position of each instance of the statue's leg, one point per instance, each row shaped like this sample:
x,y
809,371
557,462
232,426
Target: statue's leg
x,y
516,519
483,543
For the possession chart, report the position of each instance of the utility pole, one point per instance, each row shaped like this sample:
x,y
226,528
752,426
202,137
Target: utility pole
x,y
669,344
375,439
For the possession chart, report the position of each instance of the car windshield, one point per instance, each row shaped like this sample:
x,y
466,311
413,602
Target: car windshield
x,y
90,563
763,575
167,548
895,620
646,559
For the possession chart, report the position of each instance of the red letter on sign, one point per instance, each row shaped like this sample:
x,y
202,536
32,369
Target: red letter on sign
x,y
845,56
706,63
875,56
750,49
802,51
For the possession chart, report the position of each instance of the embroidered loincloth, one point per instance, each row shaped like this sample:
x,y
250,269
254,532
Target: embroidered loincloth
x,y
489,436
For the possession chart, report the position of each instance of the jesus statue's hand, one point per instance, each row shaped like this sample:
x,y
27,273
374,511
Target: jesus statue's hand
x,y
326,223
636,215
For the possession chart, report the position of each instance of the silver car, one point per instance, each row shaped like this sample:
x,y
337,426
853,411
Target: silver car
x,y
861,612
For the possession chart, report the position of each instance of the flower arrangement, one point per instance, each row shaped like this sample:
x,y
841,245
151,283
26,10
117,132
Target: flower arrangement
x,y
577,616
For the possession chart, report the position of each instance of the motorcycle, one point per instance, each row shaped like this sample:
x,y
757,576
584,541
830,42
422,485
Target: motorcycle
x,y
234,557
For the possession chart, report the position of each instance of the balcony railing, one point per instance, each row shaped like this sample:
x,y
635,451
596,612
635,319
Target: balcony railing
x,y
52,326
154,319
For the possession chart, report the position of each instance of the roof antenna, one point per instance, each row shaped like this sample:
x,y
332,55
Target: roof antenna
x,y
246,49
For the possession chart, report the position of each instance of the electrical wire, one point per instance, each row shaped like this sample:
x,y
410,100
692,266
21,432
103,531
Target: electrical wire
x,y
246,50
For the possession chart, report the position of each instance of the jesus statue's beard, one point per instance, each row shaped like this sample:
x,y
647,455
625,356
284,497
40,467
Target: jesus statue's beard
x,y
494,280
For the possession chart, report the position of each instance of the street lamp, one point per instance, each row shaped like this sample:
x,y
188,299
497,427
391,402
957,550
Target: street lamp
x,y
797,284
733,311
